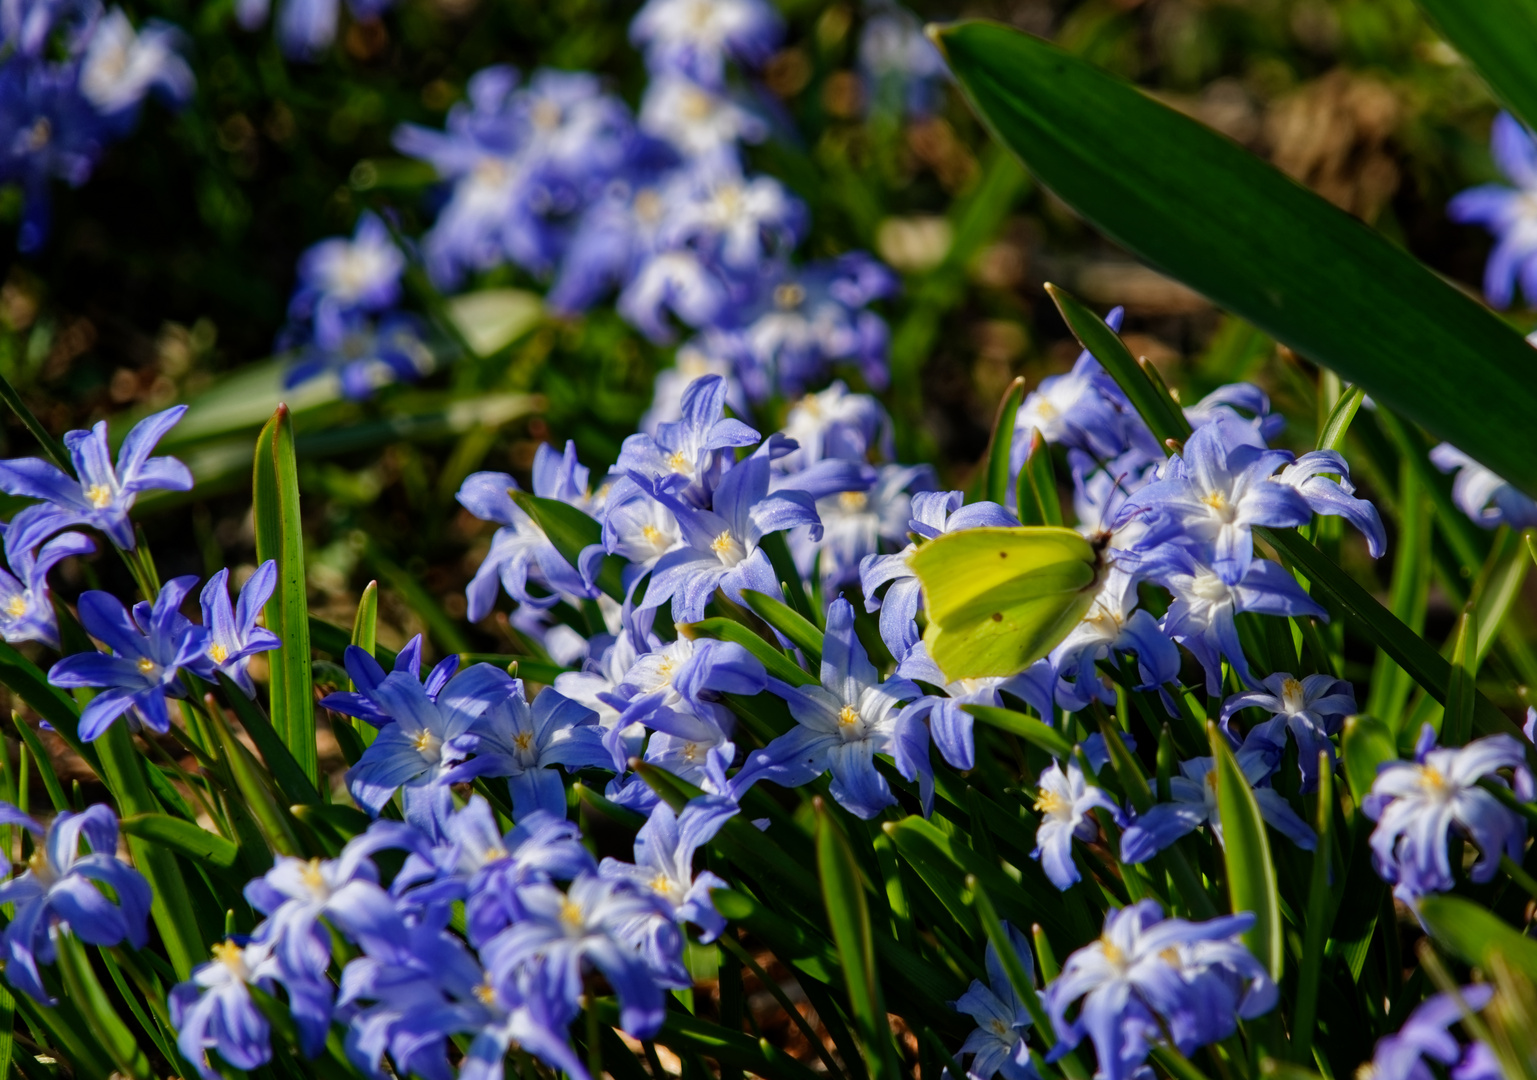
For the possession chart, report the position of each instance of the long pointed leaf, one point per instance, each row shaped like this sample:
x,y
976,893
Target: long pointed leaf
x,y
1251,874
1496,37
280,536
1201,209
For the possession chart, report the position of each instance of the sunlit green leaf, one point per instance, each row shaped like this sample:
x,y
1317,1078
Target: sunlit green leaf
x,y
1251,874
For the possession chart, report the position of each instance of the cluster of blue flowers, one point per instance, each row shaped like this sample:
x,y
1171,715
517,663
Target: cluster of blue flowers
x,y
72,78
656,209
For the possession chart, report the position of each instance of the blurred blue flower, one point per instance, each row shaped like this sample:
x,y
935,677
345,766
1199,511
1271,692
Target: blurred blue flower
x,y
522,742
1064,799
341,277
1417,804
233,636
664,861
688,675
1486,498
1426,1034
305,28
1147,975
933,513
214,1009
834,423
62,889
603,923
148,649
121,66
1510,213
732,220
1312,709
521,554
365,353
102,495
902,69
998,1042
699,121
26,605
677,283
695,38
842,724
1083,409
1226,401
1194,802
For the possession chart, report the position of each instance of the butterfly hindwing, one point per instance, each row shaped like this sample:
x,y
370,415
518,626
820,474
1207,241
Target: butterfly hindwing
x,y
1000,598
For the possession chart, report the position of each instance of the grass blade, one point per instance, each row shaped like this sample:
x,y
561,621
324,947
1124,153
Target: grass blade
x,y
1494,36
280,536
1000,450
1320,908
797,630
1251,874
183,837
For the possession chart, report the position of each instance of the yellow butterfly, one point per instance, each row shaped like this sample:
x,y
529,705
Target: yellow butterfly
x,y
1000,598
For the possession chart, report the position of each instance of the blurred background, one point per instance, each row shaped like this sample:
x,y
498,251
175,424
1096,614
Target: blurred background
x,y
168,275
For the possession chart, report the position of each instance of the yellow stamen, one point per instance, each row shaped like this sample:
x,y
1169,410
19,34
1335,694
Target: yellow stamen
x,y
218,653
485,993
848,715
523,740
1216,500
690,751
99,496
1049,802
789,296
312,877
678,462
145,665
853,501
571,915
17,606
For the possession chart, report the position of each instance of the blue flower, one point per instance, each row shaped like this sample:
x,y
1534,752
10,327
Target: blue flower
x,y
694,360
103,495
365,673
1194,803
733,221
1486,498
1218,490
233,636
688,457
902,70
951,726
603,923
1312,709
1312,476
363,352
721,544
1416,804
834,423
26,606
1064,799
1146,975
148,650
338,277
214,1009
1426,1034
121,67
664,861
1083,409
306,28
520,551
998,1042
688,675
1202,616
485,867
1506,212
1114,624
695,38
933,513
420,745
701,122
842,724
1227,400
521,743
676,282
61,888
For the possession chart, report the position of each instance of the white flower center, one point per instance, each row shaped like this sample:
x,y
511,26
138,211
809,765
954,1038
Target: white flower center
x,y
429,746
726,548
99,496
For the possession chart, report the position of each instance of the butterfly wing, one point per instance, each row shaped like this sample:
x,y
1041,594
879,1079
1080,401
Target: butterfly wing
x,y
998,599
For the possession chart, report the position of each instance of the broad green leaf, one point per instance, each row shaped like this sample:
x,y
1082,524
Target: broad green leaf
x,y
1495,36
995,479
1147,393
1206,212
1474,934
573,533
1028,728
1367,744
1251,874
848,914
183,837
280,536
796,629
